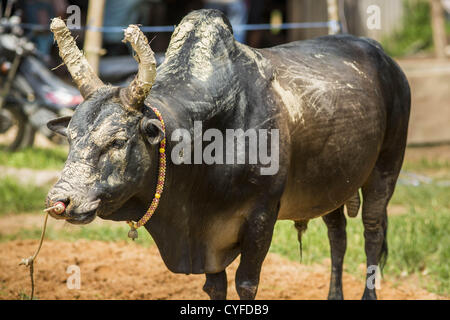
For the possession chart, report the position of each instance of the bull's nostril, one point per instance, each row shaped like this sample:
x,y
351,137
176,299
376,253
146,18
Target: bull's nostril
x,y
65,201
57,208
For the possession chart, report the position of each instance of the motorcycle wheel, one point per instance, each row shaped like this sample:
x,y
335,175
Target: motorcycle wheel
x,y
15,130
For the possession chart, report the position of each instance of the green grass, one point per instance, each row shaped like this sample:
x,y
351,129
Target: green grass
x,y
34,158
416,32
419,241
426,164
17,198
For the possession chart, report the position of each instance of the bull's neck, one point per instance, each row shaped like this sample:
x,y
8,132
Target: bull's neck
x,y
179,177
221,103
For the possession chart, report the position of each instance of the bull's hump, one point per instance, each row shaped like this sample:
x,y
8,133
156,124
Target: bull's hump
x,y
198,44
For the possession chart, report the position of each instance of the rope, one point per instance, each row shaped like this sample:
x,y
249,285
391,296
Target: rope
x,y
29,262
237,27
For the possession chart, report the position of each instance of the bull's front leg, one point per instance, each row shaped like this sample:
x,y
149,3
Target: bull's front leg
x,y
216,285
255,242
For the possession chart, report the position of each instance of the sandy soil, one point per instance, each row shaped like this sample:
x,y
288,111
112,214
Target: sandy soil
x,y
127,271
439,152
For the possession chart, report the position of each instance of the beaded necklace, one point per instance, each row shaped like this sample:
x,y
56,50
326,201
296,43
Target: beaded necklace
x,y
133,234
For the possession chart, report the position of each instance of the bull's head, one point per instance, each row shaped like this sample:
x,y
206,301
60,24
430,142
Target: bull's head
x,y
111,135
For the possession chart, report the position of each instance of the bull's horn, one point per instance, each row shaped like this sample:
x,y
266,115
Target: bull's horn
x,y
79,68
135,94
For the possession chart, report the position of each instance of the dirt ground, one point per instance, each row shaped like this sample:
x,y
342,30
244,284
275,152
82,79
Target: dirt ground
x,y
127,271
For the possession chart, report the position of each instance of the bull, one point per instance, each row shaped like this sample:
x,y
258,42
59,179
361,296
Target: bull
x,y
339,104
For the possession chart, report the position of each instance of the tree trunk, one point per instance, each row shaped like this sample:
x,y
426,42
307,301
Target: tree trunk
x,y
438,24
333,16
307,11
93,38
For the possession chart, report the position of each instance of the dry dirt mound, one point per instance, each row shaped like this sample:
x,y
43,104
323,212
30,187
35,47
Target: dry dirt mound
x,y
127,271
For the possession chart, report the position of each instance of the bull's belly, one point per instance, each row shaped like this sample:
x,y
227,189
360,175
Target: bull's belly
x,y
332,153
328,164
301,202
318,186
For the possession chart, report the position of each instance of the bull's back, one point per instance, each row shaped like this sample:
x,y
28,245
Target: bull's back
x,y
331,95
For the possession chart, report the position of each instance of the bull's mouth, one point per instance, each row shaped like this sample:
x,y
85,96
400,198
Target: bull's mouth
x,y
81,214
84,218
85,213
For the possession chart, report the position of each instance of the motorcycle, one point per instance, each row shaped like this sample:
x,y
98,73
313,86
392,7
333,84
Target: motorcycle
x,y
30,94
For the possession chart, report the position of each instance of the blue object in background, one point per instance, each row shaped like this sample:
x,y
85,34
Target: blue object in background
x,y
33,11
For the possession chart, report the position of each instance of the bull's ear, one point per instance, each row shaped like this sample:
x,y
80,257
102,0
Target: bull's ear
x,y
59,125
152,130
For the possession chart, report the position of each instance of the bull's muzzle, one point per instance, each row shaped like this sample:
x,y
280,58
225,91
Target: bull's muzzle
x,y
71,211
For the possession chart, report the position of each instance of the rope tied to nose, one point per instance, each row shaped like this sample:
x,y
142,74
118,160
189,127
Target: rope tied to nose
x,y
58,208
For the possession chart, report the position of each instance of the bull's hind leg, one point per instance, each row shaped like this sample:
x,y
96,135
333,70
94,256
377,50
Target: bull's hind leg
x,y
216,285
255,242
379,187
377,192
337,236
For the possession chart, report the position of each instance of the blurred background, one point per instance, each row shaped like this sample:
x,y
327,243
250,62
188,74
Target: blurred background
x,y
35,88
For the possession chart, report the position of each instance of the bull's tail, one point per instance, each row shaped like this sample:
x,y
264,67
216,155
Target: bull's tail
x,y
384,247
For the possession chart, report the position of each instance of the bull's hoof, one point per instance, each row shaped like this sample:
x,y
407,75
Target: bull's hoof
x,y
247,291
369,295
214,293
335,296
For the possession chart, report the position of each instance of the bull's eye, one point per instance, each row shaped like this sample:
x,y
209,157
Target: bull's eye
x,y
118,143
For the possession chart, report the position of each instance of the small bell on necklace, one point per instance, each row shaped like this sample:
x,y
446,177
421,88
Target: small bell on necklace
x,y
132,234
